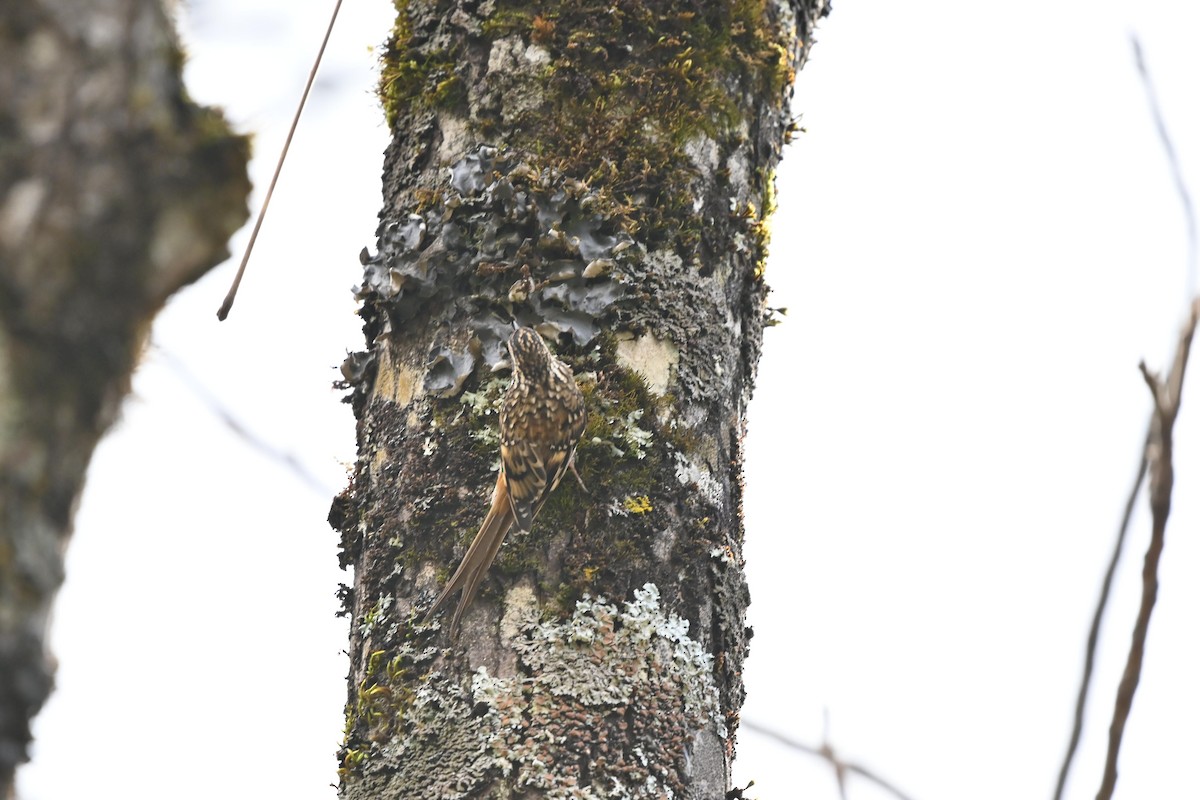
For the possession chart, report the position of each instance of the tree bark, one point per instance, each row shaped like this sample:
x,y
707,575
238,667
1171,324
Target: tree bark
x,y
604,173
115,191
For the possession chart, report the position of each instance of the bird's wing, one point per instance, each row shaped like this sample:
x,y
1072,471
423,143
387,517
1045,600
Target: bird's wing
x,y
532,471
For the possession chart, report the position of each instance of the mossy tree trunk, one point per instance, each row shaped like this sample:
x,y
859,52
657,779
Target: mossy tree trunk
x,y
602,172
115,191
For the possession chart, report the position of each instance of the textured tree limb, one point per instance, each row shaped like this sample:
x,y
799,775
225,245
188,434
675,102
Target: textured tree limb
x,y
515,155
841,767
1167,395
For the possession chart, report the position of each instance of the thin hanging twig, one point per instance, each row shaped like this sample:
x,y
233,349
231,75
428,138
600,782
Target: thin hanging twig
x,y
223,311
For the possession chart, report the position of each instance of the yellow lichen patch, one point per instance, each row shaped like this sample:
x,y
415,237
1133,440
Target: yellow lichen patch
x,y
638,505
652,358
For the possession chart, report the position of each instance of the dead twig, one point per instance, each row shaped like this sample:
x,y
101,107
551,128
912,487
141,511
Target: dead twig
x,y
1167,396
1185,200
1093,640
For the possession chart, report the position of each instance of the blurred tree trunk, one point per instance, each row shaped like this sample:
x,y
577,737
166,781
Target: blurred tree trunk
x,y
115,191
620,157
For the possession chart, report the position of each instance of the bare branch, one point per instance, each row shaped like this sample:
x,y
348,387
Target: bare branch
x,y
1174,389
1167,398
227,304
841,767
1089,661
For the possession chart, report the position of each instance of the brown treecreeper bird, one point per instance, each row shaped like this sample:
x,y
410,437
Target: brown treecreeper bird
x,y
541,420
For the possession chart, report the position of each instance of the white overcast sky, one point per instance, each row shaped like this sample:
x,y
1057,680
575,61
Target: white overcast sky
x,y
977,240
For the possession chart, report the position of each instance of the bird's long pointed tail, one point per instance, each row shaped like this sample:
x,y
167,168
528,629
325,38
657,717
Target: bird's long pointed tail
x,y
479,557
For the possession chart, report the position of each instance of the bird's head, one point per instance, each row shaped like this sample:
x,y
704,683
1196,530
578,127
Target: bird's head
x,y
530,356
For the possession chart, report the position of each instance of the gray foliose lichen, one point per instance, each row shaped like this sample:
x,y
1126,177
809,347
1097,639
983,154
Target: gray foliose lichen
x,y
588,687
501,243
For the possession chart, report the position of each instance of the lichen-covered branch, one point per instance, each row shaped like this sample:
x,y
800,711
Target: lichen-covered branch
x,y
115,191
604,174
